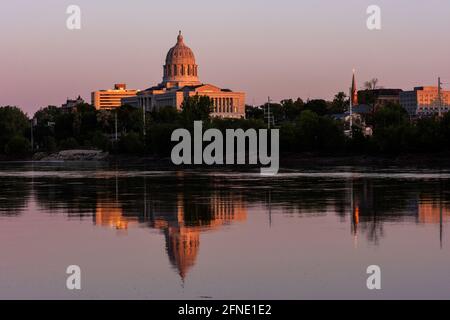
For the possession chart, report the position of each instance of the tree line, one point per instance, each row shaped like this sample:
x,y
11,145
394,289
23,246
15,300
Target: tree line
x,y
304,127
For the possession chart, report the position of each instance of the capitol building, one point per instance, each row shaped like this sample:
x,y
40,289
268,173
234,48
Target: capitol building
x,y
180,81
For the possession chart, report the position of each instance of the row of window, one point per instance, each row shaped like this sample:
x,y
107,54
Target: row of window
x,y
224,105
220,105
175,70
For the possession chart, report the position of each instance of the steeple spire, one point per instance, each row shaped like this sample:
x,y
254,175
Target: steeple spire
x,y
354,93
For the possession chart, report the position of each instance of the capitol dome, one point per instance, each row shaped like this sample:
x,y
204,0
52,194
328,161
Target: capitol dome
x,y
180,68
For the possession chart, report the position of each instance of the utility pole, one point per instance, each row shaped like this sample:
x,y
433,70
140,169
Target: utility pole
x,y
115,125
143,117
32,135
268,114
351,112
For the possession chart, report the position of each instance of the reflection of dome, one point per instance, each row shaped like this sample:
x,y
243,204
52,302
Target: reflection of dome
x,y
180,68
182,246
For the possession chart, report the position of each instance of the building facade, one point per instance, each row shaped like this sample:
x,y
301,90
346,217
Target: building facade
x,y
378,98
111,99
180,81
71,103
425,101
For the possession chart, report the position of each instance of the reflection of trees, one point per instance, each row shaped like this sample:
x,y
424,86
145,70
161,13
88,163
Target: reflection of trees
x,y
376,202
156,200
14,196
76,197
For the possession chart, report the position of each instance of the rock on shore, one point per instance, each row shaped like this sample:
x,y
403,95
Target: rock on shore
x,y
76,155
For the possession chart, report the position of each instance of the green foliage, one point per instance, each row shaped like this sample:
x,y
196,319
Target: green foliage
x,y
159,138
17,146
100,141
304,127
292,109
166,115
252,112
13,124
318,106
340,103
389,116
130,119
131,143
318,133
196,108
68,144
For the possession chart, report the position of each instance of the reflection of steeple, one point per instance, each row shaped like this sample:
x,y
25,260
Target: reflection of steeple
x,y
355,223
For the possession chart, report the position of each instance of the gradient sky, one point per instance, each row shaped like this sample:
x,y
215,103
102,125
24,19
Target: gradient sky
x,y
283,48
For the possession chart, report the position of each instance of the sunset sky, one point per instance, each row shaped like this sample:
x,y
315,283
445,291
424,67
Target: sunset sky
x,y
283,48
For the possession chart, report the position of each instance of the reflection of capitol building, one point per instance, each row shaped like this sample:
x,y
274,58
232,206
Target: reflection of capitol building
x,y
183,239
432,212
181,225
111,215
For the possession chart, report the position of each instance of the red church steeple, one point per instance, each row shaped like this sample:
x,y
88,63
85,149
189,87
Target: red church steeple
x,y
354,90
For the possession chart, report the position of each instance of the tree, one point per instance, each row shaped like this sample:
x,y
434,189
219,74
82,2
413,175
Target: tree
x,y
166,114
318,106
339,104
196,108
130,119
131,143
252,112
17,146
292,109
13,123
390,115
44,129
371,84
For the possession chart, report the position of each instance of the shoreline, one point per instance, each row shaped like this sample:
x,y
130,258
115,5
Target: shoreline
x,y
290,161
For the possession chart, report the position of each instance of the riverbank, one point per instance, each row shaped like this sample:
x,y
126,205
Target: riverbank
x,y
313,160
286,160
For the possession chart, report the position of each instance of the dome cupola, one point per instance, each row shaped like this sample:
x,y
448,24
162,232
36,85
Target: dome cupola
x,y
180,68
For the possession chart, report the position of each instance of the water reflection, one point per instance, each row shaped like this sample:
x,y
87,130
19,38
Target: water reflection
x,y
183,205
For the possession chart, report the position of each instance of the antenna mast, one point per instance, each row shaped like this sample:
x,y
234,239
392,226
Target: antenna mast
x,y
440,96
268,114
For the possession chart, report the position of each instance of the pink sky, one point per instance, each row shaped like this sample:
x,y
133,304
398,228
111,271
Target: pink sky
x,y
284,48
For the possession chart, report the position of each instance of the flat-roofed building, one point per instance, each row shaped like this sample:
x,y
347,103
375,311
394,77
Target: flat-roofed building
x,y
424,101
112,98
378,98
71,103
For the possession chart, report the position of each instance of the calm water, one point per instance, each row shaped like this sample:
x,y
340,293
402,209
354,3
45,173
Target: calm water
x,y
143,234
